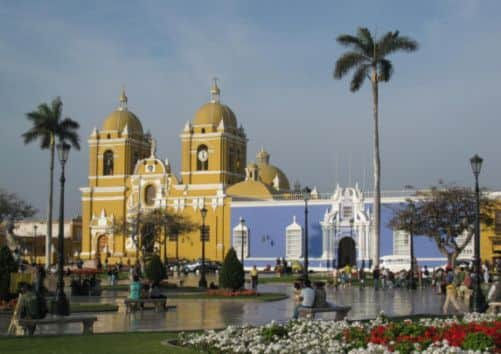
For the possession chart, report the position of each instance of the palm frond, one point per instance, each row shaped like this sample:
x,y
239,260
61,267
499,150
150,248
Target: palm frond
x,y
348,40
347,62
71,137
385,70
66,130
57,108
45,141
31,135
69,124
366,38
392,42
359,77
34,116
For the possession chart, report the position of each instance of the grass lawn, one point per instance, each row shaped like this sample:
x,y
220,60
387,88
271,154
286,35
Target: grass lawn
x,y
262,297
85,307
122,343
290,278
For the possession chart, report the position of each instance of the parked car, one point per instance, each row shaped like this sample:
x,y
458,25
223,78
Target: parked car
x,y
210,266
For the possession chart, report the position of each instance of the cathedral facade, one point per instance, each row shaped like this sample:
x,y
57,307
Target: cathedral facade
x,y
126,177
250,206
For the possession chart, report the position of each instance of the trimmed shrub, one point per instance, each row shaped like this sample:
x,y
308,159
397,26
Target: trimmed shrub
x,y
155,270
7,265
232,274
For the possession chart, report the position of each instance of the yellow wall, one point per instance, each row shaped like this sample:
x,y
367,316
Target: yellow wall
x,y
490,242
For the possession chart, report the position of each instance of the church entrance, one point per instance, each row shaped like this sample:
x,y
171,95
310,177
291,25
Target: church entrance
x,y
102,247
347,253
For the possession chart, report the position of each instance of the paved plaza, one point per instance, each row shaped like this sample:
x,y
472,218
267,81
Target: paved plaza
x,y
203,314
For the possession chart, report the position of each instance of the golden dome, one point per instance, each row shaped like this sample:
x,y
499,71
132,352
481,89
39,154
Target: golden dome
x,y
268,173
212,113
118,119
122,117
250,190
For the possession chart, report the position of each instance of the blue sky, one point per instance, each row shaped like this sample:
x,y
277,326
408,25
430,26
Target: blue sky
x,y
274,60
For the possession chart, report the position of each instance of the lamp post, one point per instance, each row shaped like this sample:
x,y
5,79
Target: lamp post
x,y
62,307
306,197
412,284
242,236
202,283
478,301
34,248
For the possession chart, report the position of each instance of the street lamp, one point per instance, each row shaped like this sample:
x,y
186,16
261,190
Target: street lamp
x,y
203,235
306,197
62,307
478,301
412,207
34,248
242,235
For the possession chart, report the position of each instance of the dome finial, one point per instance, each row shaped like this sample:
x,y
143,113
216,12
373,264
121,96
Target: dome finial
x,y
215,92
123,100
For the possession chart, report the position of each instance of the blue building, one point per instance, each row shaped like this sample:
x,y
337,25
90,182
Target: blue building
x,y
339,231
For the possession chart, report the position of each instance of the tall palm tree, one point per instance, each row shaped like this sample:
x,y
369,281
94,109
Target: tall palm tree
x,y
47,127
368,58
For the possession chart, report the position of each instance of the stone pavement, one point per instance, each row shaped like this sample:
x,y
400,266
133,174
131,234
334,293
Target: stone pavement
x,y
203,314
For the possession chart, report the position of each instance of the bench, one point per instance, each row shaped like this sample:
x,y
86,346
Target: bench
x,y
28,326
341,311
132,305
494,307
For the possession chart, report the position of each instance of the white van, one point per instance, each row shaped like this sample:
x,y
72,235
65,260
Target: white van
x,y
395,263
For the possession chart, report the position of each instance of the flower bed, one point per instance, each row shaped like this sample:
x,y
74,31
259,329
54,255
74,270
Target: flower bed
x,y
229,292
475,332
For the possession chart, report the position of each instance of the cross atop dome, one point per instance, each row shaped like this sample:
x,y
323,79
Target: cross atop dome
x,y
215,92
123,100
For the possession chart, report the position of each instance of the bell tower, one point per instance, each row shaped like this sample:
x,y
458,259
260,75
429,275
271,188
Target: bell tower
x,y
214,149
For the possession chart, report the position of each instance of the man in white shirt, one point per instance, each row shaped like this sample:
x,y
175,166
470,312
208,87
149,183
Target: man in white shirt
x,y
307,298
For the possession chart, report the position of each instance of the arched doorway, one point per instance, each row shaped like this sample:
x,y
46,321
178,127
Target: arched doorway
x,y
347,253
102,246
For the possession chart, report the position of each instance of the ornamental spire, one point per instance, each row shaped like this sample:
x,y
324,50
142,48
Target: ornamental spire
x,y
123,100
215,92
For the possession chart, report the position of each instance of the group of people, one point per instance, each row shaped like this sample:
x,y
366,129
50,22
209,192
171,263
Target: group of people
x,y
305,296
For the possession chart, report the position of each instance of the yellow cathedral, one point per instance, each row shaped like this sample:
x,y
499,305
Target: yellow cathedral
x,y
126,176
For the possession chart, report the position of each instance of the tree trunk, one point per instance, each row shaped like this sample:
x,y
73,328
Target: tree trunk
x,y
377,173
451,259
48,239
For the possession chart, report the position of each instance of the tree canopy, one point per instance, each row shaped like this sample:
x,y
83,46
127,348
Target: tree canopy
x,y
148,228
443,214
13,209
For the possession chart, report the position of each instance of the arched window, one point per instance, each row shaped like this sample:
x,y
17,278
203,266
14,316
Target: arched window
x,y
241,238
149,194
293,240
108,163
202,158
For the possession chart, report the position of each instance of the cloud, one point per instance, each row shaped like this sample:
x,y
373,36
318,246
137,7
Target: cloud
x,y
275,67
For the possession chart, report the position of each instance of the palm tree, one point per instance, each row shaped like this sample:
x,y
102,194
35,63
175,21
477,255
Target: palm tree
x,y
47,127
367,57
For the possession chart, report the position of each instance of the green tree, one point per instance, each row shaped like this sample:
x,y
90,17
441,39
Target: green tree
x,y
155,270
152,227
368,58
12,209
47,127
7,265
232,275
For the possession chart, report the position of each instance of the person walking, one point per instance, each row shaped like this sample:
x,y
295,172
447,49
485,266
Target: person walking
x,y
450,297
254,277
375,276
